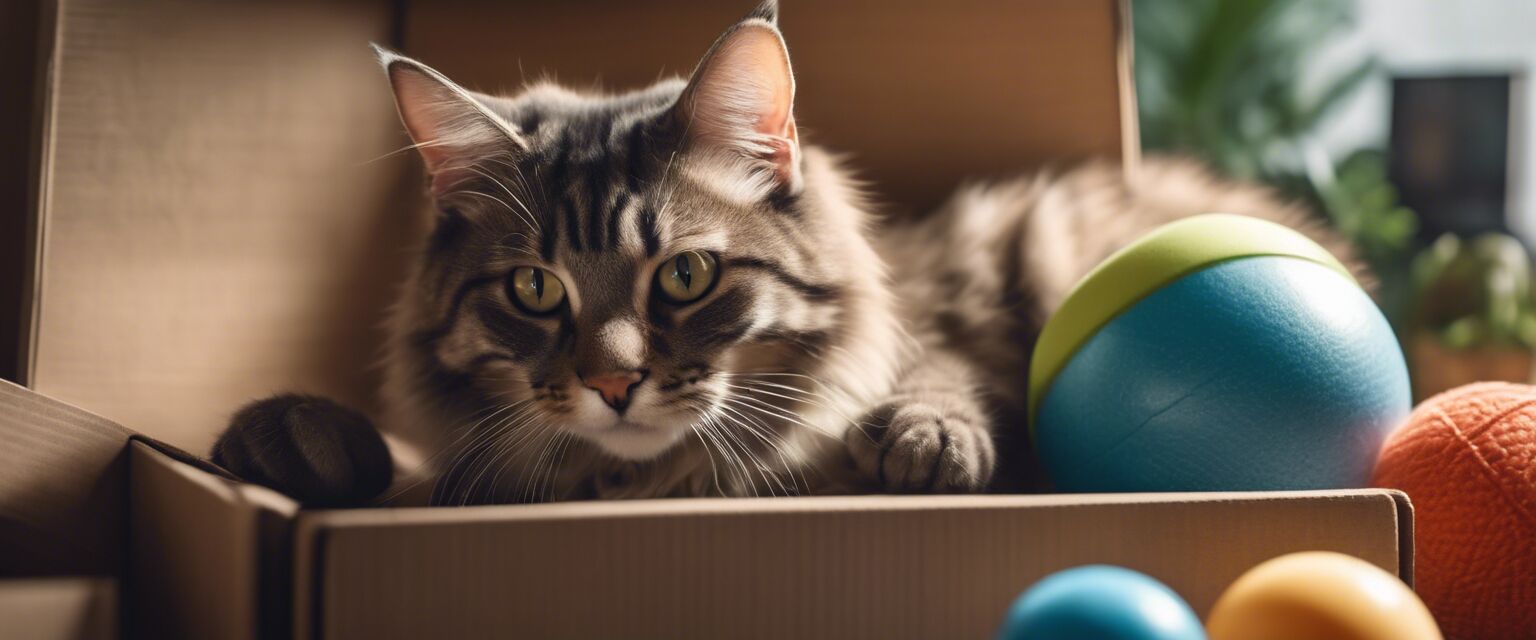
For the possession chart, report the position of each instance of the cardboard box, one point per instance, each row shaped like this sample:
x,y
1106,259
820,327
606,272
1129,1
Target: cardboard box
x,y
217,216
208,557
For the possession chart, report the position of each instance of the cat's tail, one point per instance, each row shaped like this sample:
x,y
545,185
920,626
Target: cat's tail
x,y
310,448
1058,226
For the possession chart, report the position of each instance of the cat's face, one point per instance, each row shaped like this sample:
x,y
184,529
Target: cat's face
x,y
634,269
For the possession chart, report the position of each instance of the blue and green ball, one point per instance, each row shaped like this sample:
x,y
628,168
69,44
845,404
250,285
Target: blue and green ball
x,y
1219,353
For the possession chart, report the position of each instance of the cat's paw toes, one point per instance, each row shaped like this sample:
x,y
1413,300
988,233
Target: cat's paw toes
x,y
922,448
312,449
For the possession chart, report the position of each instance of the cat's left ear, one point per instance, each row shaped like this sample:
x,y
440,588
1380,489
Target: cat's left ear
x,y
453,128
739,104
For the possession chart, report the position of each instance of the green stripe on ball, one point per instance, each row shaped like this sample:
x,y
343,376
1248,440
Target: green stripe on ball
x,y
1159,258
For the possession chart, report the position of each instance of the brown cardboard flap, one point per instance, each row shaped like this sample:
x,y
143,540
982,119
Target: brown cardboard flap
x,y
209,556
58,609
63,485
934,567
222,215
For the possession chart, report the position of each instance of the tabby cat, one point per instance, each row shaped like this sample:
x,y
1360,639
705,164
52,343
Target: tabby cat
x,y
668,293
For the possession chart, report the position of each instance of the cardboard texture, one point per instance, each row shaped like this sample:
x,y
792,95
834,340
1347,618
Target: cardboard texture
x,y
58,609
908,567
63,488
207,559
218,216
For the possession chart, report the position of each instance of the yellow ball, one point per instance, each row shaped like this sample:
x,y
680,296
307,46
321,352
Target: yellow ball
x,y
1320,595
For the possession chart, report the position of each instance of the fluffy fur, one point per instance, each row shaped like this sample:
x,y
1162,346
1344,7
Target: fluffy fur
x,y
831,354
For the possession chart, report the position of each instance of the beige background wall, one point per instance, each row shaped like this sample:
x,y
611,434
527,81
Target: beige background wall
x,y
922,94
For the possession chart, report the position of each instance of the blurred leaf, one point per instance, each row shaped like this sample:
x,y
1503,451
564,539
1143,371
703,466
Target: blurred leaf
x,y
1221,80
1342,86
1475,292
1464,333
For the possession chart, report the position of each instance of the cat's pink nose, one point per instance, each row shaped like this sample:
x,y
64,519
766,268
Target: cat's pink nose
x,y
614,386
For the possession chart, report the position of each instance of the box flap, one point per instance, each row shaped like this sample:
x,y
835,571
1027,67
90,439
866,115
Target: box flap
x,y
222,217
939,567
63,488
58,609
209,556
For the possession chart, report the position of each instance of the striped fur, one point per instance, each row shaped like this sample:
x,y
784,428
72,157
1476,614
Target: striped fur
x,y
749,390
809,367
806,369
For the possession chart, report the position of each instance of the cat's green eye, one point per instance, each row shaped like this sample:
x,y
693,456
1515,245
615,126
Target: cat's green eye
x,y
687,276
536,290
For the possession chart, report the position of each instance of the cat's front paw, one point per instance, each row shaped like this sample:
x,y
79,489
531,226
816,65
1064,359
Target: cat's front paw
x,y
917,447
312,449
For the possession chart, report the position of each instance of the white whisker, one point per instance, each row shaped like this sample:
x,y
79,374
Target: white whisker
x,y
462,461
775,447
764,433
453,447
714,472
524,212
745,453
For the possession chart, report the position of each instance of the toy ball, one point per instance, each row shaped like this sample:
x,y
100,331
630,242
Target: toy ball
x,y
1319,595
1467,459
1218,353
1102,602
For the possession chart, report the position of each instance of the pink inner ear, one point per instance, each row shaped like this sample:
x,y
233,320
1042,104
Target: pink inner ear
x,y
783,154
416,100
779,123
777,108
451,131
746,87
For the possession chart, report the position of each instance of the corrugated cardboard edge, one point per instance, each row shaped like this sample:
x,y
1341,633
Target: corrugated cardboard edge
x,y
308,545
1404,535
59,609
22,67
76,498
597,509
312,524
63,488
209,556
39,175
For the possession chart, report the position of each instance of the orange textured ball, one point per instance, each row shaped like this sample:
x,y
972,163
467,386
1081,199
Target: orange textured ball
x,y
1467,459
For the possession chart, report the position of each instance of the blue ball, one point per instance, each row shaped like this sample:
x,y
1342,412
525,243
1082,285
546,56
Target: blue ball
x,y
1103,603
1258,373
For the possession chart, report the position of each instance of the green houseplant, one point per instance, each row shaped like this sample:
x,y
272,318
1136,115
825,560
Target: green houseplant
x,y
1222,80
1473,314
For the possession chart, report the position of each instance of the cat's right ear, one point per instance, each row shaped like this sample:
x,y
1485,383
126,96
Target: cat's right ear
x,y
452,129
738,107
